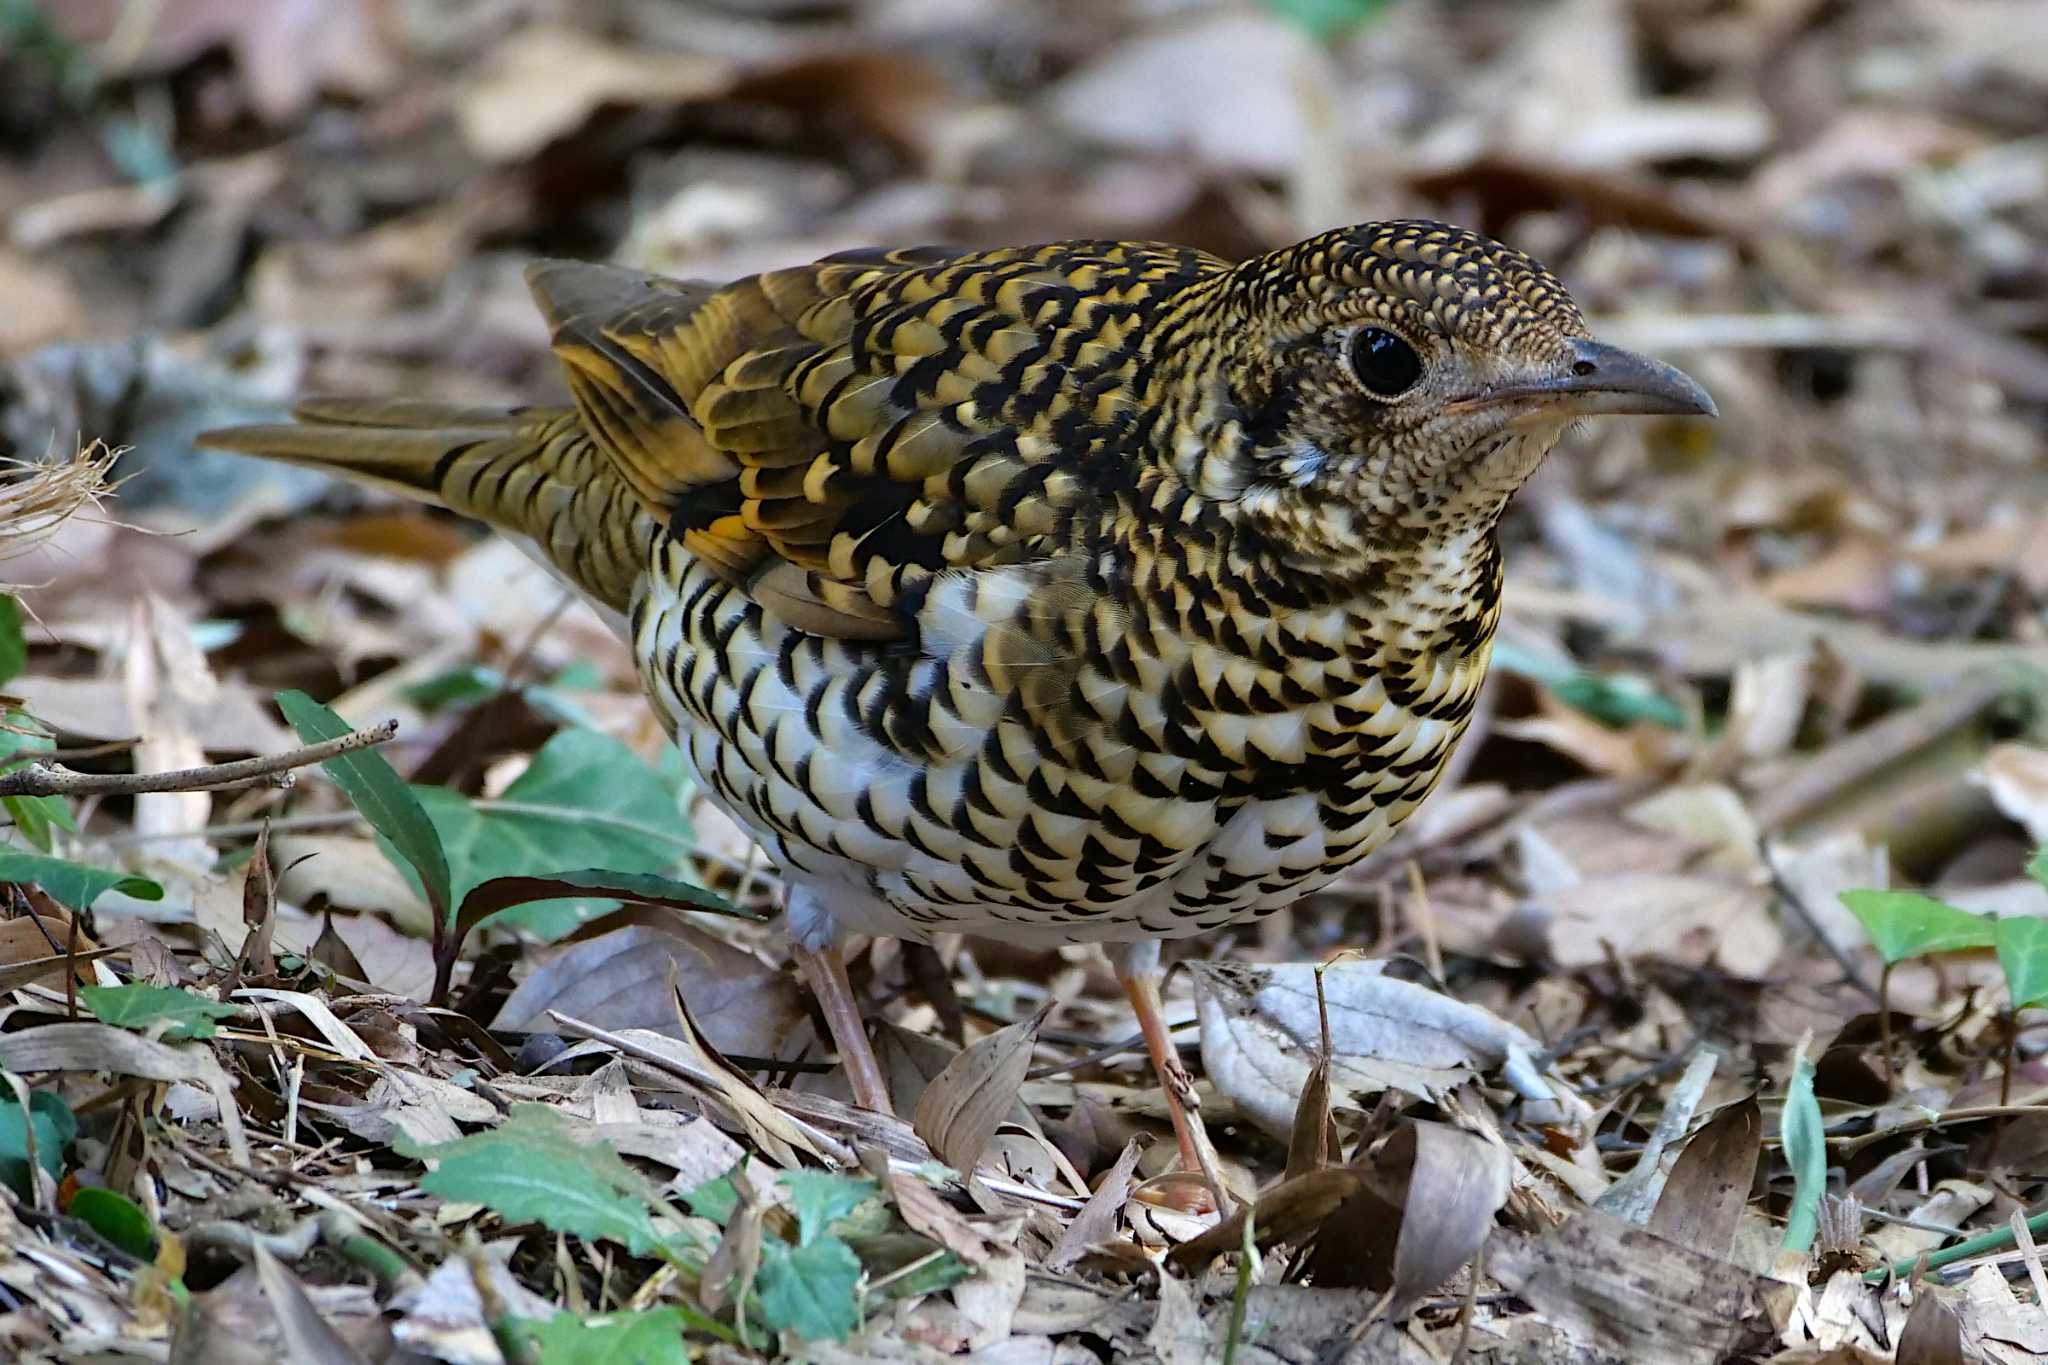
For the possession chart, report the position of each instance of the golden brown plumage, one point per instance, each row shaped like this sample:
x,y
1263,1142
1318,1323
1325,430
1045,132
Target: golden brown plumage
x,y
1095,590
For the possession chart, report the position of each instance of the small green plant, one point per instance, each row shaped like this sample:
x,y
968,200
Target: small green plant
x,y
805,1278
474,863
1906,924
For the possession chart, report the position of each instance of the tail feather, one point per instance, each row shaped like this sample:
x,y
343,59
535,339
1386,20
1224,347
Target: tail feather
x,y
532,473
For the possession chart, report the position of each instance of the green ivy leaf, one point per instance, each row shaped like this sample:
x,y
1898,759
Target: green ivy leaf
x,y
55,1128
72,884
117,1218
1806,1151
377,790
812,1290
185,1014
585,801
532,1168
653,1337
2023,952
821,1198
13,644
1905,924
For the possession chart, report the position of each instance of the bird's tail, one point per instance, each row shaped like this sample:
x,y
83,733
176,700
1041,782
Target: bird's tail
x,y
532,473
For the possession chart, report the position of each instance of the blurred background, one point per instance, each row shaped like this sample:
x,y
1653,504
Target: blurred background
x,y
1833,212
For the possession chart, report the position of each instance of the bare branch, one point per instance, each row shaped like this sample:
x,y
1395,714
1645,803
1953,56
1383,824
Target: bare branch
x,y
40,780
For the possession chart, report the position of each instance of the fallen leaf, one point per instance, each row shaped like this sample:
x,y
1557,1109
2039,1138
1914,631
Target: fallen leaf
x,y
1261,1025
1709,1184
548,79
1676,918
959,1110
620,980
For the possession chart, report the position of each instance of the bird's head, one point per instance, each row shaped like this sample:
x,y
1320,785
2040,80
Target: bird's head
x,y
1400,380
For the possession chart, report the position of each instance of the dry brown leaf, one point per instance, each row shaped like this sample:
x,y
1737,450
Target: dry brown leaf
x,y
33,949
924,1212
308,1335
1622,1290
1096,1222
1931,1336
959,1110
620,979
1709,1184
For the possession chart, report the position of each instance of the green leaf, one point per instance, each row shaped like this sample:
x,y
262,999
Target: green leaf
x,y
35,816
1612,700
822,1198
532,1168
380,794
812,1290
2023,952
72,884
1907,924
499,894
586,800
2037,866
1325,19
653,1337
715,1200
55,1128
141,1007
117,1218
1806,1151
13,644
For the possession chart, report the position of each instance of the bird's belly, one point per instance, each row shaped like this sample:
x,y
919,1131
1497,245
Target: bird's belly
x,y
955,819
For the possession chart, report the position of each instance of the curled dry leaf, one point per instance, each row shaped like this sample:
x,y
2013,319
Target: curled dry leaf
x,y
309,1335
924,1212
959,1110
1456,1183
1261,1026
2017,777
1096,1222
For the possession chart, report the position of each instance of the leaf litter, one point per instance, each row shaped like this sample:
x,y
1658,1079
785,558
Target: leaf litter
x,y
1698,1017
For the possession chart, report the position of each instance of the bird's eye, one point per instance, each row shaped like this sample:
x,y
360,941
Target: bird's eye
x,y
1386,365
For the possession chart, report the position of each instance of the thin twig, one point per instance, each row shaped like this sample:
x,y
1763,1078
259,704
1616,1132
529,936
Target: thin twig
x,y
39,780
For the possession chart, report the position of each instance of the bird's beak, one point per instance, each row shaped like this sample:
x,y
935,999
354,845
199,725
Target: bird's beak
x,y
1605,380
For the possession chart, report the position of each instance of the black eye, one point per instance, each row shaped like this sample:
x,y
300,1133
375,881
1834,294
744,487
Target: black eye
x,y
1386,365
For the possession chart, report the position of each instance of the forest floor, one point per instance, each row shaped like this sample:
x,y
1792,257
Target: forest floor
x,y
1599,1070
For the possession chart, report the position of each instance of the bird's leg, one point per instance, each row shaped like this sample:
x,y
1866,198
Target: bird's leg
x,y
814,943
1137,967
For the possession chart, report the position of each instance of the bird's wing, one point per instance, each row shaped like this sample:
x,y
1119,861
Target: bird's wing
x,y
826,436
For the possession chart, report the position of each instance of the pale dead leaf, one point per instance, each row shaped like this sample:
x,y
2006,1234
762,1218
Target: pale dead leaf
x,y
1456,1184
101,1047
924,1212
547,79
959,1110
2016,775
1261,1026
1678,918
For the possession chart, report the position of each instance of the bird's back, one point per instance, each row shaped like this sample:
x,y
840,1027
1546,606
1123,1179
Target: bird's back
x,y
919,571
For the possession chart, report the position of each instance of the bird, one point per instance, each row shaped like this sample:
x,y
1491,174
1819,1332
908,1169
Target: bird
x,y
1094,591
